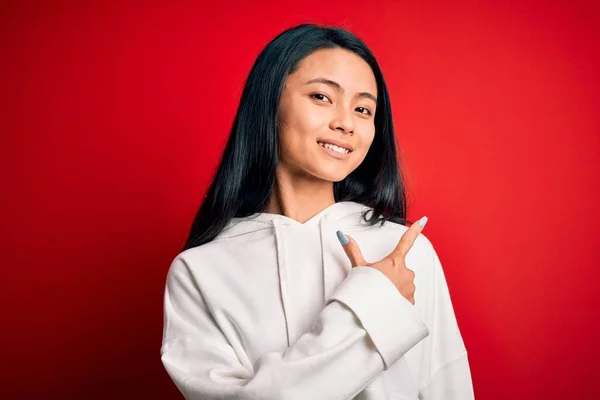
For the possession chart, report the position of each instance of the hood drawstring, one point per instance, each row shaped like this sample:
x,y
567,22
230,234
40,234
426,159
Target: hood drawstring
x,y
281,263
322,231
282,272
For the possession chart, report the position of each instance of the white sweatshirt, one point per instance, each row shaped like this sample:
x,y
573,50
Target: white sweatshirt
x,y
271,309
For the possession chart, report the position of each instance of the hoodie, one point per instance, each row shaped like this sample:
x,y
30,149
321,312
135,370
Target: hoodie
x,y
272,309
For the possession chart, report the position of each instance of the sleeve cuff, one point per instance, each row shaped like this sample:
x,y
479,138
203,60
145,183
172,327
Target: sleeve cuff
x,y
392,322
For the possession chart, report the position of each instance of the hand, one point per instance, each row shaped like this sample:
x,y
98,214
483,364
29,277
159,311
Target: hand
x,y
393,265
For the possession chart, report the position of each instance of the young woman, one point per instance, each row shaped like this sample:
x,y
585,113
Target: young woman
x,y
263,302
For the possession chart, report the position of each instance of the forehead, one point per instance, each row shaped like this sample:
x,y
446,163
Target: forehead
x,y
340,65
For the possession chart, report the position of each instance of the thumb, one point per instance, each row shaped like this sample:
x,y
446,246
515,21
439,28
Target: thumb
x,y
352,250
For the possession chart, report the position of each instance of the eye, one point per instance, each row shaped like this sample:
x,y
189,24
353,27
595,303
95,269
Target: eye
x,y
368,112
319,96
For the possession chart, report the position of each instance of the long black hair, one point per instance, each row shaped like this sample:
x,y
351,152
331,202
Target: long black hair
x,y
245,178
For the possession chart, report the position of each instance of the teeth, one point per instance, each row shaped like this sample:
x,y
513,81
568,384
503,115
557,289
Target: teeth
x,y
333,147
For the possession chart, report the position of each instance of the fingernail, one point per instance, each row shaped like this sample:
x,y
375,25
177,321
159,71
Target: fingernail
x,y
422,221
342,238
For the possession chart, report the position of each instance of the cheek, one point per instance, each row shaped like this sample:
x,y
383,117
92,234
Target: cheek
x,y
370,135
309,120
367,135
303,125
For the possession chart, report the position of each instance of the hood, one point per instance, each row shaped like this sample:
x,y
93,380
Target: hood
x,y
338,216
343,213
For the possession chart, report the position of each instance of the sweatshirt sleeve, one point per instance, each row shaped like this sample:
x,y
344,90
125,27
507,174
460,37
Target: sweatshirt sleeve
x,y
449,375
366,323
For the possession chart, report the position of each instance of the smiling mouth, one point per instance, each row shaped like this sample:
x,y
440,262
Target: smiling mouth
x,y
335,148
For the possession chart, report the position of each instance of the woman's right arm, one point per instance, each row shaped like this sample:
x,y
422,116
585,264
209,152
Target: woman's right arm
x,y
364,327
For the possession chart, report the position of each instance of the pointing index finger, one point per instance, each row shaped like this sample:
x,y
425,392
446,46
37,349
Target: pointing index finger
x,y
409,237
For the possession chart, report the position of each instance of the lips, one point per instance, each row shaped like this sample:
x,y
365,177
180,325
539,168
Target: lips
x,y
336,146
333,153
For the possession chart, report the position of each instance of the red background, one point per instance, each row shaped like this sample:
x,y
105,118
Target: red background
x,y
114,117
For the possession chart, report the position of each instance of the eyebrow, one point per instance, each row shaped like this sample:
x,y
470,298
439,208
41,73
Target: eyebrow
x,y
340,89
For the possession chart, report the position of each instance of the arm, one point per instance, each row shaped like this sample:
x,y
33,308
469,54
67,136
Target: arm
x,y
449,375
366,323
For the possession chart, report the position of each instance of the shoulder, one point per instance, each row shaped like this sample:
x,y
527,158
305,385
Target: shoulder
x,y
190,261
223,256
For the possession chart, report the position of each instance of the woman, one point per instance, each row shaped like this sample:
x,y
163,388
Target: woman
x,y
263,302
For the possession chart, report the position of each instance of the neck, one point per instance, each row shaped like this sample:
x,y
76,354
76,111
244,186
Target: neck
x,y
299,197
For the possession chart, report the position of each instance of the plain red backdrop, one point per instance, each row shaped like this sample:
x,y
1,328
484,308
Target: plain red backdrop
x,y
114,118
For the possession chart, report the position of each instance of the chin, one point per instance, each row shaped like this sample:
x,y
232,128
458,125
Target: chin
x,y
333,176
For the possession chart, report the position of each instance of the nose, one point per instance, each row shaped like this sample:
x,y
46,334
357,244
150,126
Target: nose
x,y
343,121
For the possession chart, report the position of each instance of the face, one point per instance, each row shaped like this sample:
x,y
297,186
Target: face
x,y
329,100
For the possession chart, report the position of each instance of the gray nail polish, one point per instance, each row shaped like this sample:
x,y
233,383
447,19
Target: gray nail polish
x,y
342,238
422,221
